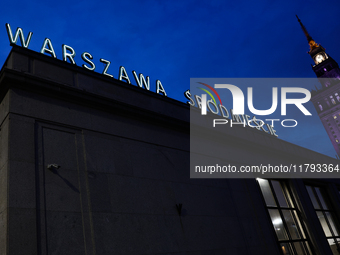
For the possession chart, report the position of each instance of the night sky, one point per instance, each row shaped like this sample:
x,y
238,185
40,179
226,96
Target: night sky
x,y
174,41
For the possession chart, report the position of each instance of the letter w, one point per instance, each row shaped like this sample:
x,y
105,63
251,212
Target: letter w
x,y
19,32
142,81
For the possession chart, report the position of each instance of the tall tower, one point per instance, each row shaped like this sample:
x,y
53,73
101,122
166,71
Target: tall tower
x,y
326,99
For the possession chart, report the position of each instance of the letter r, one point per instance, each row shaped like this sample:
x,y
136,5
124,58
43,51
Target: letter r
x,y
297,101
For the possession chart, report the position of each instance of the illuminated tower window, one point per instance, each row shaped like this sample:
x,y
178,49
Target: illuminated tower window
x,y
332,100
337,97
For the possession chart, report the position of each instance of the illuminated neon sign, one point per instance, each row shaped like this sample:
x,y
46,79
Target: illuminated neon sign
x,y
68,53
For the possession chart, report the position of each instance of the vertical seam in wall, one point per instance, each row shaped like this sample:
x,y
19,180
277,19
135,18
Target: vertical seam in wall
x,y
88,194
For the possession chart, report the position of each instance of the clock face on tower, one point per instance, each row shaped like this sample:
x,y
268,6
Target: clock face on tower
x,y
319,58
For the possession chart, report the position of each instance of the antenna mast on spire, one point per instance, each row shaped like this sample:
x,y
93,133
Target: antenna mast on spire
x,y
311,42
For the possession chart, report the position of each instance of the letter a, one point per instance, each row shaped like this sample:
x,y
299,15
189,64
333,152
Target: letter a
x,y
160,88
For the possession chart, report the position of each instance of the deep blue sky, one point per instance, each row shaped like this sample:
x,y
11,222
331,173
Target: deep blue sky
x,y
176,40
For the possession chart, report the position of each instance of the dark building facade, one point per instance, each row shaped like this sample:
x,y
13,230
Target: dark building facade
x,y
92,165
326,100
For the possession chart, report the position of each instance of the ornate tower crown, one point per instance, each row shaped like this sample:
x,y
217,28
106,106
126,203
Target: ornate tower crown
x,y
324,64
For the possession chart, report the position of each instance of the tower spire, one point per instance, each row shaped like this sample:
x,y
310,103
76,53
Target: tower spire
x,y
311,42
